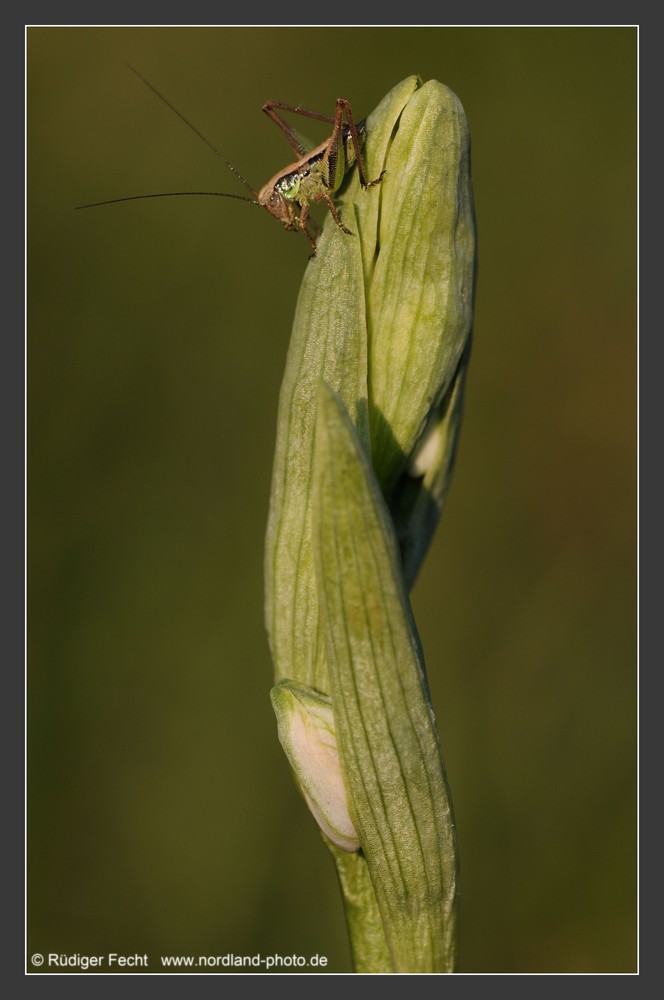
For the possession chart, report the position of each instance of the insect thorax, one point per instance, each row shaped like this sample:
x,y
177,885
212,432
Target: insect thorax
x,y
289,186
319,173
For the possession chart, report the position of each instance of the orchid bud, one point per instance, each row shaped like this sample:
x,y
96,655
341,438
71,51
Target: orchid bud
x,y
305,723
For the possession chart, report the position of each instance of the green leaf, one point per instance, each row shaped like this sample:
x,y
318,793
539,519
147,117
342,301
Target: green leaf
x,y
329,341
365,926
390,757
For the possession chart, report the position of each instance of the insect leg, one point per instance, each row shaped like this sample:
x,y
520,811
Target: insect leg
x,y
288,131
302,224
296,109
344,106
335,214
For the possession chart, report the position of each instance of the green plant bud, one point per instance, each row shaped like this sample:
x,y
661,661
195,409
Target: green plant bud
x,y
369,415
383,318
305,723
419,262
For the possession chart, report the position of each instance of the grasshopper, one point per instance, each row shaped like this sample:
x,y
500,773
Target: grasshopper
x,y
314,177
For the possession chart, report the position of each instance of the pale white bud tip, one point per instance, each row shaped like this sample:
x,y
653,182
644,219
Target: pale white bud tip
x,y
427,451
305,724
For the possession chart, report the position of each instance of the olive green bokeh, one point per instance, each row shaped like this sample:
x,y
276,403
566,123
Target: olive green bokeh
x,y
162,817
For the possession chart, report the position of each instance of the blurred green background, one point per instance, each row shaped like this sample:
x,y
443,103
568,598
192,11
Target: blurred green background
x,y
162,815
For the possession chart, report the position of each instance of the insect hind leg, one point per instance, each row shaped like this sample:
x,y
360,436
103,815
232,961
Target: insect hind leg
x,y
288,131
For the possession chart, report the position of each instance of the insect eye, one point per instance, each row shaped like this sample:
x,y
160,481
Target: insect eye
x,y
274,198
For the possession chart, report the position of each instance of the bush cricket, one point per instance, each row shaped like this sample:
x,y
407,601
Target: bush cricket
x,y
314,177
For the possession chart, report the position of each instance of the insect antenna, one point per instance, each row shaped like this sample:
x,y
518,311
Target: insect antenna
x,y
193,129
170,194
